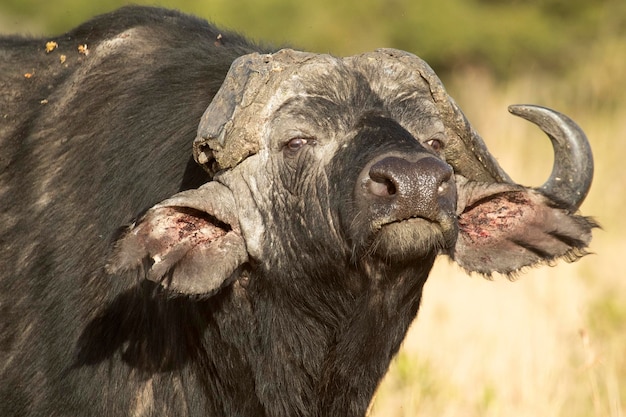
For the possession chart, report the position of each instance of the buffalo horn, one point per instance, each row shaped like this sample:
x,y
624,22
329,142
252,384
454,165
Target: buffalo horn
x,y
572,172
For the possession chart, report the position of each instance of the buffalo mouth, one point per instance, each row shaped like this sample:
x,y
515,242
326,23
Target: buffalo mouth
x,y
415,237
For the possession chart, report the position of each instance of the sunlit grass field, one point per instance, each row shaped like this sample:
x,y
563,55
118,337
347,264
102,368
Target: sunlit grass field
x,y
552,343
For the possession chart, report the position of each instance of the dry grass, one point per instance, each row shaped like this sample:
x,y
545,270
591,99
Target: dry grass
x,y
552,343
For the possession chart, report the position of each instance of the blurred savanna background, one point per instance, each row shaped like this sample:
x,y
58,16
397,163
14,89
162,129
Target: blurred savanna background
x,y
552,343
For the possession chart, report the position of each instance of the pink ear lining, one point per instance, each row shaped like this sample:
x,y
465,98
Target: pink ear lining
x,y
164,236
495,216
174,229
510,230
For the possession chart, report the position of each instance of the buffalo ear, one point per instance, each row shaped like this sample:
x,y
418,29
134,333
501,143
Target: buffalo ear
x,y
505,227
190,244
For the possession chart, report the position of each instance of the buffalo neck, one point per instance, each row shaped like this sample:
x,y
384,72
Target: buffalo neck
x,y
321,351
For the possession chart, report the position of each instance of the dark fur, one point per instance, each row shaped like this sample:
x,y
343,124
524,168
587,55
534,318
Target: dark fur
x,y
125,145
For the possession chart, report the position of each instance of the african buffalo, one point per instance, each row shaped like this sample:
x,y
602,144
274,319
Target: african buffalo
x,y
277,273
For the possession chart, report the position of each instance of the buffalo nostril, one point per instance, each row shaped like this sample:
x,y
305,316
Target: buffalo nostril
x,y
381,186
443,187
443,177
418,186
415,185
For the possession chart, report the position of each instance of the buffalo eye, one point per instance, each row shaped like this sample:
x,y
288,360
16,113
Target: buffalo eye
x,y
296,144
435,144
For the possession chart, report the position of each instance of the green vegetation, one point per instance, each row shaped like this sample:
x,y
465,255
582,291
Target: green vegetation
x,y
507,36
554,342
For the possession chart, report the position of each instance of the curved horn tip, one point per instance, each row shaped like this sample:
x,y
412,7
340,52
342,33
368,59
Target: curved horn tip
x,y
572,172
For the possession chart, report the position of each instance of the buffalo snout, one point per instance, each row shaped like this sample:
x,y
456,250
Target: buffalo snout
x,y
419,188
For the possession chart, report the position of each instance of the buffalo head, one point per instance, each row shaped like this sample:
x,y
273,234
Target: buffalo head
x,y
318,159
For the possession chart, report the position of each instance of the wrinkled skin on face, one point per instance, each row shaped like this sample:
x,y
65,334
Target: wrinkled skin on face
x,y
315,152
336,183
